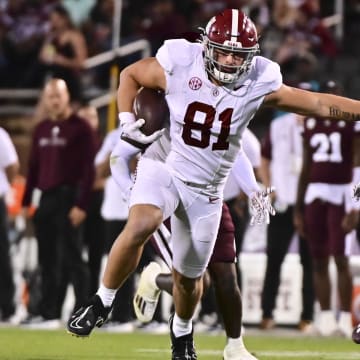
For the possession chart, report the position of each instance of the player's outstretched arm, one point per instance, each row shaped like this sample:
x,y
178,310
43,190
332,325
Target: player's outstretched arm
x,y
317,104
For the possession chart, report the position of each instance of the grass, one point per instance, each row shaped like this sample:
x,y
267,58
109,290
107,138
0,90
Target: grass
x,y
20,344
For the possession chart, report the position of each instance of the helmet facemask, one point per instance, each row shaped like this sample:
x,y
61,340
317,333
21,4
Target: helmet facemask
x,y
227,73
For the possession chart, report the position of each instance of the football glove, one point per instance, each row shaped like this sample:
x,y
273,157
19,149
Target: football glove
x,y
131,133
260,206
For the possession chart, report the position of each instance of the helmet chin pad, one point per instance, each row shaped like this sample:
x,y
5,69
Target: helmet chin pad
x,y
224,77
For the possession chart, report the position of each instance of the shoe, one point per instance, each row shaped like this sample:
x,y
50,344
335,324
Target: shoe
x,y
306,326
326,324
356,334
237,352
83,321
345,324
147,295
40,323
267,324
182,347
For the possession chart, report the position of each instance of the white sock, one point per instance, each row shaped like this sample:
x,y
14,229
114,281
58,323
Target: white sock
x,y
106,295
181,327
235,341
345,316
345,321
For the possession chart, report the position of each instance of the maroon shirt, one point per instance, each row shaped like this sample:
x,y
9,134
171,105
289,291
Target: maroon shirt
x,y
62,153
331,148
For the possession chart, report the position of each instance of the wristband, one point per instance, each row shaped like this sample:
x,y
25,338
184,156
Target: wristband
x,y
126,117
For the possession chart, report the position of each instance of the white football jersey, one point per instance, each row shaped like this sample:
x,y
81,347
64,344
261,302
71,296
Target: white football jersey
x,y
207,121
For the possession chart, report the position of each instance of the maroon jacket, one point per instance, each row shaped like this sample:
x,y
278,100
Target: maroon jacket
x,y
62,153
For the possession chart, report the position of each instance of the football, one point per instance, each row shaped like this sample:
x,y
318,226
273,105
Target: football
x,y
150,105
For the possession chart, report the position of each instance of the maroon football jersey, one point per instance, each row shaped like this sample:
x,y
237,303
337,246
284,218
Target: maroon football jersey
x,y
331,147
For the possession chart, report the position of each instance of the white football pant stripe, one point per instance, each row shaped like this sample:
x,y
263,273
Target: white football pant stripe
x,y
162,238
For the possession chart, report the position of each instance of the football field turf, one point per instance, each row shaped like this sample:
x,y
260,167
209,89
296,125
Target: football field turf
x,y
19,344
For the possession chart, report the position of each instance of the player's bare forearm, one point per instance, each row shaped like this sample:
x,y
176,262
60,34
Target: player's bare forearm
x,y
143,73
314,104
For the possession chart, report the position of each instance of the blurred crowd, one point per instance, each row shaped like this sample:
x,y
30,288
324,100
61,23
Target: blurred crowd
x,y
39,39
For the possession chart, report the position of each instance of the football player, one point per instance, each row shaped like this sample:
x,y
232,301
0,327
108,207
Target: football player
x,y
213,90
324,213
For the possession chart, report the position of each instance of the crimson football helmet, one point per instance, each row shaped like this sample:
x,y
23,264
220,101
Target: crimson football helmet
x,y
230,31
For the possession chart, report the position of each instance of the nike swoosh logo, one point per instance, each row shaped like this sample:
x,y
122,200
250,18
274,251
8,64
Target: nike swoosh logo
x,y
75,323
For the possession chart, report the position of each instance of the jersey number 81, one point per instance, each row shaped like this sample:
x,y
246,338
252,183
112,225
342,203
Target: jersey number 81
x,y
205,128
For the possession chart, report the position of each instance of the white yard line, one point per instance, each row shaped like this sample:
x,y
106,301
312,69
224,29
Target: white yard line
x,y
279,354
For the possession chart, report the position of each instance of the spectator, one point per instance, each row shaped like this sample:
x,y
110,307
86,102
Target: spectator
x,y
9,167
163,22
23,25
98,29
64,51
61,166
307,34
324,213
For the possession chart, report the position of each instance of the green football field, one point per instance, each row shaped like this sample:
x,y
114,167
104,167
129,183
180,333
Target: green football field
x,y
16,344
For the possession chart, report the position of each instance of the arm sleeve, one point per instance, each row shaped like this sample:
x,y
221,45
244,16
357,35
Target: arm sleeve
x,y
244,174
107,146
119,164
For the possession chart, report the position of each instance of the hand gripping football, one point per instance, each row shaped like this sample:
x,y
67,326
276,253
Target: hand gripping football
x,y
150,105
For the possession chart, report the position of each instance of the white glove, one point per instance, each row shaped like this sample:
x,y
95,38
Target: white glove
x,y
260,206
131,131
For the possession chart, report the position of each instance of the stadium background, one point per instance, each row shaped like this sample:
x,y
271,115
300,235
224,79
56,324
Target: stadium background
x,y
136,29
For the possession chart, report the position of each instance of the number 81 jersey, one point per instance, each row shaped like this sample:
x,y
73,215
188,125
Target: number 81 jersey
x,y
207,121
330,146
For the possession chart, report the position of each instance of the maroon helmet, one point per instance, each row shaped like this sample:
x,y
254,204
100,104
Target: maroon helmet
x,y
230,31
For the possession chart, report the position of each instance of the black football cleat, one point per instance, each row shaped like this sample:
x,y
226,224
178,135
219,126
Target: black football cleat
x,y
83,320
182,347
356,334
